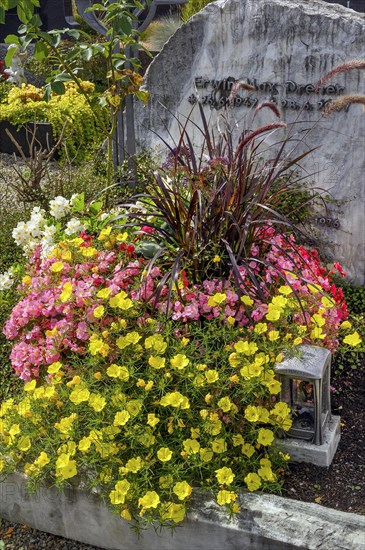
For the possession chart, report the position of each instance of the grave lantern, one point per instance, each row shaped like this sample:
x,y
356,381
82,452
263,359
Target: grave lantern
x,y
305,386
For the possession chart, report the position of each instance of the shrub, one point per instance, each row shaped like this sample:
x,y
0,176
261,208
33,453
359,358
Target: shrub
x,y
87,120
192,7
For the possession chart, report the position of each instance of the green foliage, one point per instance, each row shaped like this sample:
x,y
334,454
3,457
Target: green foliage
x,y
355,298
350,358
86,120
192,7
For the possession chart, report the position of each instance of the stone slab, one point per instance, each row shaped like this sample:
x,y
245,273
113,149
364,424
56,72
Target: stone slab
x,y
319,455
283,47
266,522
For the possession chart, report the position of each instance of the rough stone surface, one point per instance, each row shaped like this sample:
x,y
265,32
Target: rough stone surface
x,y
274,42
266,522
319,455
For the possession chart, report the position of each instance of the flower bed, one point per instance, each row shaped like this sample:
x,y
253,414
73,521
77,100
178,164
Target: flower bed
x,y
142,405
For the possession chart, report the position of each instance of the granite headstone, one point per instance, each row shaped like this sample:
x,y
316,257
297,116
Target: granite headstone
x,y
282,47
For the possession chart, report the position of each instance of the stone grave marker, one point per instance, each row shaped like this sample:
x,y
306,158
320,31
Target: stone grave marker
x,y
281,47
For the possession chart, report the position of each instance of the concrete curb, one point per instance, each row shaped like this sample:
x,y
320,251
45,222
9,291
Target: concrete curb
x,y
266,522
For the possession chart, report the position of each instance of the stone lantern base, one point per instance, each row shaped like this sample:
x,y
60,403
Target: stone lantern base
x,y
319,455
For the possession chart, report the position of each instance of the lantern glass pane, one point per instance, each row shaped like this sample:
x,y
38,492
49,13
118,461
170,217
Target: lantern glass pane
x,y
302,403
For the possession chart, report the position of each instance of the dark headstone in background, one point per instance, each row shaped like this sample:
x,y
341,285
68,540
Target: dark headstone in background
x,y
55,14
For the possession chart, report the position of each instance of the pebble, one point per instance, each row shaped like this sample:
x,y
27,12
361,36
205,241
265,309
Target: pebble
x,y
20,537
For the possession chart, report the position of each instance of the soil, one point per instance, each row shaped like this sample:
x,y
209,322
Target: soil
x,y
342,485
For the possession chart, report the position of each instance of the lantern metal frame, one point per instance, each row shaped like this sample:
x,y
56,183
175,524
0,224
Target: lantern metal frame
x,y
311,365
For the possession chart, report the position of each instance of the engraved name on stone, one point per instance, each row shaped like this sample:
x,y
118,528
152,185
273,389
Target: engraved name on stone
x,y
218,92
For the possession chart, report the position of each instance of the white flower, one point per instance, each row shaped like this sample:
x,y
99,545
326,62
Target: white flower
x,y
6,280
48,233
59,207
74,226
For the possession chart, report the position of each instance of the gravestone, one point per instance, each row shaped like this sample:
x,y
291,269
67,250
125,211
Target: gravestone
x,y
55,14
282,47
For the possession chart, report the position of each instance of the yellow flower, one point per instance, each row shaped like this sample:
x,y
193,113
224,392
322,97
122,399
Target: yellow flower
x,y
65,424
104,233
173,512
273,335
149,500
260,328
175,399
216,259
219,446
134,465
97,402
352,339
27,280
164,454
79,395
55,367
121,489
224,475
103,293
245,347
156,362
252,413
156,342
152,419
237,440
247,300
66,292
206,455
30,386
345,324
211,376
286,290
248,450
182,490
133,407
265,437
273,314
57,267
121,300
24,443
327,302
179,361
252,481
265,472
121,418
278,302
191,446
115,371
317,333
99,312
318,320
130,339
89,252
122,237
84,444
225,404
297,341
217,299
226,497
274,386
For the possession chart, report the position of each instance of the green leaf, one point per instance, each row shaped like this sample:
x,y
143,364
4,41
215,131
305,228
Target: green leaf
x,y
87,54
58,87
9,56
12,39
96,206
47,92
63,77
40,51
78,204
73,33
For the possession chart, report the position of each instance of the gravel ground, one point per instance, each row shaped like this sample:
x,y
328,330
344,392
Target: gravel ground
x,y
21,537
